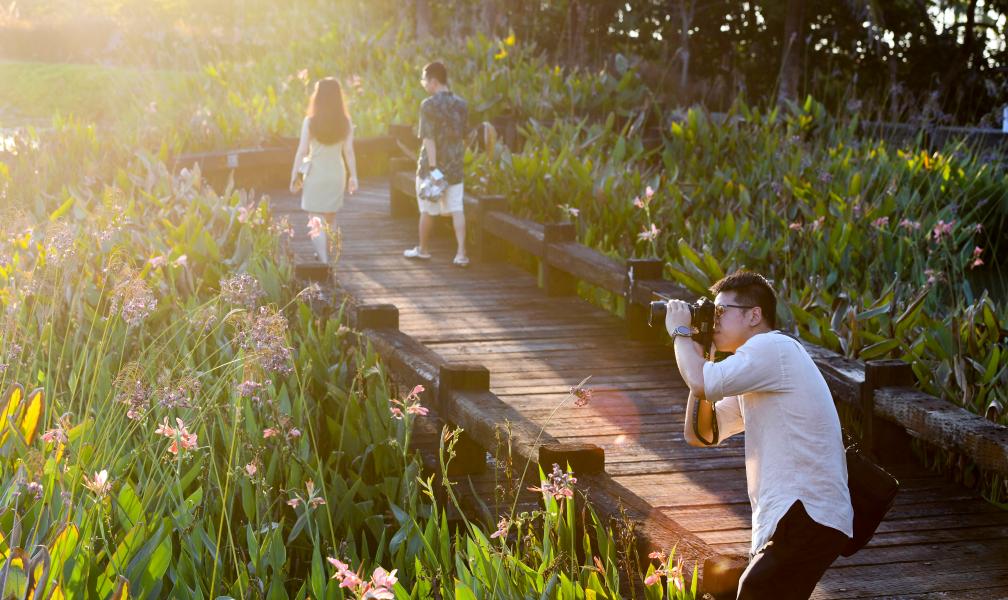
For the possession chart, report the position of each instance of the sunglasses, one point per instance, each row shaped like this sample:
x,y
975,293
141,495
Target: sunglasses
x,y
719,309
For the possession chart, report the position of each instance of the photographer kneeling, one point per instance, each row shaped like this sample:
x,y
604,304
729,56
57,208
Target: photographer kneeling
x,y
796,470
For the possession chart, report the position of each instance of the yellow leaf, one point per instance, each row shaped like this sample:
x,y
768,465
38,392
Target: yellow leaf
x,y
32,415
11,404
121,591
17,578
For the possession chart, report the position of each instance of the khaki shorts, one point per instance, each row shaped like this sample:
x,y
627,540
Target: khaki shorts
x,y
450,202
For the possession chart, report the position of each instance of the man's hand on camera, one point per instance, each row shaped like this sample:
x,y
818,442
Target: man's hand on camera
x,y
677,314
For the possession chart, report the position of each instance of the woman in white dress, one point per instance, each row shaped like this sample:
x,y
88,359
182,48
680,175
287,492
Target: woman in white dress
x,y
324,154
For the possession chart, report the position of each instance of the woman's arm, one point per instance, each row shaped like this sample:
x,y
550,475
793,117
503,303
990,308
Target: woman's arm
x,y
302,151
351,162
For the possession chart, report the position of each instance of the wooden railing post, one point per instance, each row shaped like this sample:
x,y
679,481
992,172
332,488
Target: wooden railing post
x,y
489,248
880,438
470,456
376,316
584,459
557,282
637,270
401,204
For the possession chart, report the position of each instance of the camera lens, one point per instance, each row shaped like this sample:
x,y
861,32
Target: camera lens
x,y
657,314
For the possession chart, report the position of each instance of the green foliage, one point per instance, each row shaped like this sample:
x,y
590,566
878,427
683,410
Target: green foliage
x,y
873,249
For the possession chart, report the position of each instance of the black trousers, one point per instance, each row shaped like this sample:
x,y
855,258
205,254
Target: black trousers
x,y
793,561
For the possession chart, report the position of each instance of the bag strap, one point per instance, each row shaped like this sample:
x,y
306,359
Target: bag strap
x,y
696,423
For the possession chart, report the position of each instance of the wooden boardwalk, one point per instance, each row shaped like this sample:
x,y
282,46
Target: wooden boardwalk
x,y
939,541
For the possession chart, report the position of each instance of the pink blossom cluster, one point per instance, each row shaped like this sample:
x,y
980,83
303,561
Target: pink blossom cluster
x,y
557,484
502,528
582,395
243,290
265,337
181,437
411,405
378,588
674,574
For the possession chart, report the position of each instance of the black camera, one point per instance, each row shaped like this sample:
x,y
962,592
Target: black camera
x,y
701,319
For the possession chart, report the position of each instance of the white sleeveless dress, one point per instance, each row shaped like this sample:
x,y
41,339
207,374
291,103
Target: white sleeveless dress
x,y
325,182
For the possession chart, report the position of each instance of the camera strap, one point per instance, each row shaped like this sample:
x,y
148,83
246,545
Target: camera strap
x,y
696,423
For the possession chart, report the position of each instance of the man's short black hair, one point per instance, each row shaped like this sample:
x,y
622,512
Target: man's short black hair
x,y
436,70
752,289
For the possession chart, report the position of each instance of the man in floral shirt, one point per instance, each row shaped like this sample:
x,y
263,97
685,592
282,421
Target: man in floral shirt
x,y
443,124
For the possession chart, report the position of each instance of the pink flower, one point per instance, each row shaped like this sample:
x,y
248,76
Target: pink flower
x,y
653,578
416,409
294,433
657,555
165,429
294,502
649,235
270,432
157,262
818,223
582,396
57,435
881,222
942,229
396,412
637,202
796,226
676,575
181,261
908,224
416,391
977,261
502,528
100,485
382,578
648,192
314,227
251,469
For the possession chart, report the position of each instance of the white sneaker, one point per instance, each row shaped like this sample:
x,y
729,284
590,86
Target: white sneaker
x,y
414,252
461,261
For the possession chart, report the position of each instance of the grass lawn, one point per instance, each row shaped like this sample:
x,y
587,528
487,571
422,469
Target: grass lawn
x,y
34,90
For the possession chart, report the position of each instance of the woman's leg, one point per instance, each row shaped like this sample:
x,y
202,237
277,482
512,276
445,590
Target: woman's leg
x,y
317,235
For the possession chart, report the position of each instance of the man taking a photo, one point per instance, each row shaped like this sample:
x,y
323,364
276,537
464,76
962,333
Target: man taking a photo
x,y
796,469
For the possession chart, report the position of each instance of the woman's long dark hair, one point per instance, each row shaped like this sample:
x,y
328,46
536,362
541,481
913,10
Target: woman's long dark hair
x,y
328,119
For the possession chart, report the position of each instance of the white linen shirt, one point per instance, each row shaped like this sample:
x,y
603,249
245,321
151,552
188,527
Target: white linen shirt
x,y
771,389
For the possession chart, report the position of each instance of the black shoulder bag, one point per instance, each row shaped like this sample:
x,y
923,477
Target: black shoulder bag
x,y
872,491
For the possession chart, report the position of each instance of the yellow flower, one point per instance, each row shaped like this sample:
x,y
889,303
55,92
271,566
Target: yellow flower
x,y
510,40
501,55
